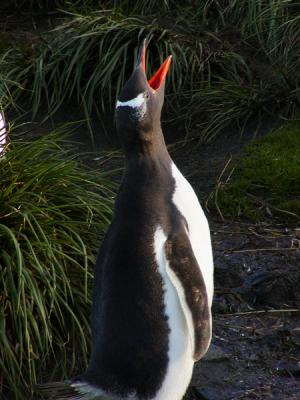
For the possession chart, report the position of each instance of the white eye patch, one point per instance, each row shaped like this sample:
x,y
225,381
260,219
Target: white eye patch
x,y
133,103
138,104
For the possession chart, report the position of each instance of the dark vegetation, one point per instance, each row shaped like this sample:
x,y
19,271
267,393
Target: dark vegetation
x,y
233,67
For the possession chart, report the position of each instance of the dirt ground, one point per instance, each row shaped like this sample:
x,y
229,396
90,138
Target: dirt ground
x,y
256,330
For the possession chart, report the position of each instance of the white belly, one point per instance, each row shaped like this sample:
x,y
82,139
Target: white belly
x,y
180,353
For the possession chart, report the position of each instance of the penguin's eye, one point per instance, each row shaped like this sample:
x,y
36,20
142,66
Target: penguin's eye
x,y
147,95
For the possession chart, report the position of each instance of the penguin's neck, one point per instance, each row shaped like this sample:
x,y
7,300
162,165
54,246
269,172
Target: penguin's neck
x,y
147,175
148,152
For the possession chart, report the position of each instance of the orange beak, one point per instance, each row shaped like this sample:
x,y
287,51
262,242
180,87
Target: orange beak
x,y
159,77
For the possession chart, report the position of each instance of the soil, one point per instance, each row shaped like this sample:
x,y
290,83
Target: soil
x,y
256,331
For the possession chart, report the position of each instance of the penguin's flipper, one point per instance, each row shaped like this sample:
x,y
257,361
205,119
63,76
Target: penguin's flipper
x,y
187,278
69,390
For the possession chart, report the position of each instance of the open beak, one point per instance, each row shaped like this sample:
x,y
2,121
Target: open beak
x,y
156,81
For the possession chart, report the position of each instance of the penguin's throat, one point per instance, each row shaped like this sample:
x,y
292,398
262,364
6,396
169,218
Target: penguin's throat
x,y
149,145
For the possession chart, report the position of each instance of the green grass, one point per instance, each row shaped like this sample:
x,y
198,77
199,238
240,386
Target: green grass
x,y
229,62
10,87
52,218
265,184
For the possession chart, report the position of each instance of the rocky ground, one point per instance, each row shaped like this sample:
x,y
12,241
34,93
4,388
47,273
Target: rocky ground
x,y
256,332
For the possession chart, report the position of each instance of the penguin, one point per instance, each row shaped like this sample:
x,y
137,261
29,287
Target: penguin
x,y
153,284
3,134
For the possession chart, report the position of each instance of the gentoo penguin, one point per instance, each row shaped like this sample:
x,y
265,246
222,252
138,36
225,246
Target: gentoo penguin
x,y
153,285
3,134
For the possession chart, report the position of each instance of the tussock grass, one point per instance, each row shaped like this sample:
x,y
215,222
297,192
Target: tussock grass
x,y
52,218
10,87
229,62
266,183
96,57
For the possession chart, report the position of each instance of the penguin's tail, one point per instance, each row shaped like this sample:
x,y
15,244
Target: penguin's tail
x,y
71,390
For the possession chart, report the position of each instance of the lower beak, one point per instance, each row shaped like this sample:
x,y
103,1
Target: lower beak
x,y
156,81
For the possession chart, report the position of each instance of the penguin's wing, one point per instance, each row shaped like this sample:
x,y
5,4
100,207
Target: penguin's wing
x,y
186,276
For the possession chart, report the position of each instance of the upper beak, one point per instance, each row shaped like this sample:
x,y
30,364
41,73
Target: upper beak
x,y
156,81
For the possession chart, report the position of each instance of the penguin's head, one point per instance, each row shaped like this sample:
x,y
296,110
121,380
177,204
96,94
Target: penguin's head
x,y
139,105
